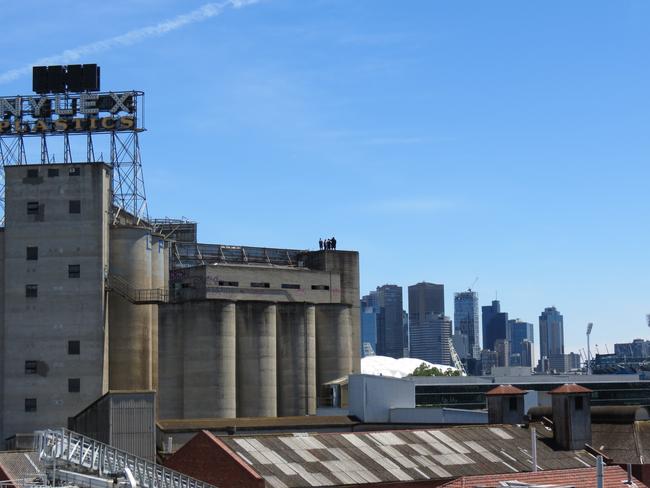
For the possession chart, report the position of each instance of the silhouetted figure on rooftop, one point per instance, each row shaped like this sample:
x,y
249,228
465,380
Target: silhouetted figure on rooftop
x,y
333,242
320,243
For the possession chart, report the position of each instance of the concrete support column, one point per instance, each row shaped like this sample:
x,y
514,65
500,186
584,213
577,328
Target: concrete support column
x,y
296,349
334,342
209,360
171,366
256,359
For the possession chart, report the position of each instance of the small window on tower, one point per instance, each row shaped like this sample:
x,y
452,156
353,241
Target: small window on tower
x,y
74,270
75,206
74,348
513,403
75,171
32,253
31,367
290,286
53,172
30,404
74,385
31,291
32,173
578,403
32,208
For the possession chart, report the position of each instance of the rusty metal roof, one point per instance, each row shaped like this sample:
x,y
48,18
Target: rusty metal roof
x,y
505,390
569,388
326,459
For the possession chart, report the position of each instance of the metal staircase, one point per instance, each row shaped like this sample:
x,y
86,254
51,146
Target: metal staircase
x,y
62,446
137,296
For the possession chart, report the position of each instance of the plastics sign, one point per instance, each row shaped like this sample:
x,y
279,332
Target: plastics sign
x,y
70,113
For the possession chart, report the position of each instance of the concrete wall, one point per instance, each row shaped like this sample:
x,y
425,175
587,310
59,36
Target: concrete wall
x,y
335,351
66,308
371,398
437,416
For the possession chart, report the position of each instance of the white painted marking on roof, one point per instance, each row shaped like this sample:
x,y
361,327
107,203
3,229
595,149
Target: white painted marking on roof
x,y
586,464
298,449
421,449
449,441
453,459
433,442
343,478
313,443
501,433
303,473
245,444
241,455
369,451
398,456
340,454
508,455
274,456
400,475
257,445
260,458
275,482
424,475
286,469
515,470
387,439
439,470
482,451
322,479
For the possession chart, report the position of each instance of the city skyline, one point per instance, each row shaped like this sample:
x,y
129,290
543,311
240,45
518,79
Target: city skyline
x,y
517,119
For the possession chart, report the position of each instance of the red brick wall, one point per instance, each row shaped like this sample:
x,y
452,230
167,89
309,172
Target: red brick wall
x,y
208,459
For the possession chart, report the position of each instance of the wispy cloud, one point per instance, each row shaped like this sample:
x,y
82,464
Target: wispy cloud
x,y
409,205
384,141
130,38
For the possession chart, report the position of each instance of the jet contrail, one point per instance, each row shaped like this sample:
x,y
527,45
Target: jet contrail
x,y
128,39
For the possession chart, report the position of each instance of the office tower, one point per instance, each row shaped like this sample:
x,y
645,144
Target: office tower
x,y
495,324
502,348
551,333
426,305
488,361
369,315
390,329
527,353
518,332
430,339
638,348
406,334
466,321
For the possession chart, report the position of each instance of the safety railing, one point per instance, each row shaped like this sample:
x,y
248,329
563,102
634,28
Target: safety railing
x,y
77,450
138,296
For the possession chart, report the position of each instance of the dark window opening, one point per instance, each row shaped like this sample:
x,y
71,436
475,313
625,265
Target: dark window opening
x,y
74,270
75,171
30,404
74,347
260,285
578,403
31,291
32,173
52,172
75,206
290,286
32,253
32,208
320,287
513,403
229,283
31,367
74,385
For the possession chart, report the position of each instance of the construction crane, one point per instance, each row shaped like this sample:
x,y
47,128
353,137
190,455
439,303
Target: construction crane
x,y
469,288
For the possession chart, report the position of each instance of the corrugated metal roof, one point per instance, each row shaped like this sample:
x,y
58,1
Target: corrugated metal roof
x,y
614,476
297,422
505,390
326,459
569,388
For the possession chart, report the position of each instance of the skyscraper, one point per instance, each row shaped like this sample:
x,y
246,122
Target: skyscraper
x,y
551,333
369,316
429,329
390,329
518,332
495,324
466,321
430,339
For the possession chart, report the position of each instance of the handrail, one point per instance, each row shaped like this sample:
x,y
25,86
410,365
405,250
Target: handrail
x,y
85,452
136,295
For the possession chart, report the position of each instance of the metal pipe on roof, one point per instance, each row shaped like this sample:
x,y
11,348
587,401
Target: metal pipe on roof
x,y
599,472
533,449
629,474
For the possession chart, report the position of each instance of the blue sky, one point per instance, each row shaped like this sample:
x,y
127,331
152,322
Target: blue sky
x,y
443,140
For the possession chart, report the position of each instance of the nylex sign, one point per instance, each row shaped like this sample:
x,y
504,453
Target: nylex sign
x,y
69,112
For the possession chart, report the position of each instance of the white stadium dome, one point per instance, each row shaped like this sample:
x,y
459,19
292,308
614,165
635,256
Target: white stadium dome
x,y
397,368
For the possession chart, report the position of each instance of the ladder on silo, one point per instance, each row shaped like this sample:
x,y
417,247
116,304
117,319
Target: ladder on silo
x,y
81,452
